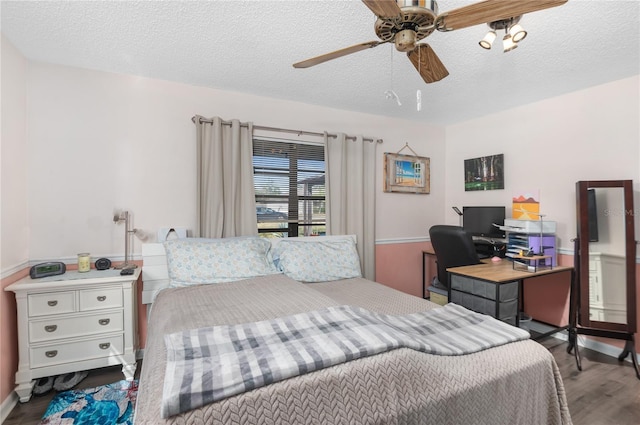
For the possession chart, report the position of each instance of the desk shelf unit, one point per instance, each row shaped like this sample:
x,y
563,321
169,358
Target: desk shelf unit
x,y
532,263
523,235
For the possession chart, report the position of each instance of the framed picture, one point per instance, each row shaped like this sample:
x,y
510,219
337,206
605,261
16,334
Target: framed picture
x,y
406,173
484,173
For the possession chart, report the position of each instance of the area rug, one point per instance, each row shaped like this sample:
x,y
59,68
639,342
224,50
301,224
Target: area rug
x,y
105,405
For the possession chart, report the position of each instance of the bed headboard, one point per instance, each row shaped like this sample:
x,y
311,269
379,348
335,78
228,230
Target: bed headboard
x,y
155,276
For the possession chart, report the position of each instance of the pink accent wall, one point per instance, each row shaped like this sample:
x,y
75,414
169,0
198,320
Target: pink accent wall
x,y
546,298
8,335
399,266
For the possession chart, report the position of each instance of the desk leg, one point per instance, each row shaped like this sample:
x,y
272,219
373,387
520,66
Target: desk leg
x,y
520,302
424,275
497,311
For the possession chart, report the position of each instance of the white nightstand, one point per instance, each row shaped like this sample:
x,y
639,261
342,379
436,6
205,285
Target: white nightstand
x,y
74,322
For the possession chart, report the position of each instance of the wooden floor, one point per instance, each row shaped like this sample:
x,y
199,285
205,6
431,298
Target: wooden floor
x,y
30,413
604,393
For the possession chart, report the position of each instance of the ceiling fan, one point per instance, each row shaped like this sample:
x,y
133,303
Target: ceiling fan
x,y
407,25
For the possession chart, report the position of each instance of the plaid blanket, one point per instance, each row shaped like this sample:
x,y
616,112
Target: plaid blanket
x,y
209,364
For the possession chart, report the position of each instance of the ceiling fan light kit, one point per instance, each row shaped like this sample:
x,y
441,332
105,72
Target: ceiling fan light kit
x,y
517,33
513,33
406,22
508,44
488,40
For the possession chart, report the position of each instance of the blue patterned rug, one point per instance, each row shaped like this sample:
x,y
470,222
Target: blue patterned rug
x,y
104,405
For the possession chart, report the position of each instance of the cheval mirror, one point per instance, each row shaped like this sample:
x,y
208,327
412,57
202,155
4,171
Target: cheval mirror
x,y
603,295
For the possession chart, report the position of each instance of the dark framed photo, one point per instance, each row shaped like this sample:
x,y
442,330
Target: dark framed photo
x,y
484,173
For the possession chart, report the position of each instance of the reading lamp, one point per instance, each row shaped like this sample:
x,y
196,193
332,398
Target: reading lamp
x,y
457,210
513,33
117,218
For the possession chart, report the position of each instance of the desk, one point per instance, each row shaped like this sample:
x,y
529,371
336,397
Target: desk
x,y
425,253
495,275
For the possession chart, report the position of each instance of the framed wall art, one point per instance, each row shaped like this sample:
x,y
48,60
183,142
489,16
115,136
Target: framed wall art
x,y
406,173
484,173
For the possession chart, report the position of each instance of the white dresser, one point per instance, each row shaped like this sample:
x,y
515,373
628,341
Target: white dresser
x,y
74,322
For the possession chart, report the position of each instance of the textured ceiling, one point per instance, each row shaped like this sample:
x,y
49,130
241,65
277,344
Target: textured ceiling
x,y
250,46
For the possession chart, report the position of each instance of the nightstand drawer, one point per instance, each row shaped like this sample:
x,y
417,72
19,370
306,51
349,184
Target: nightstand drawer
x,y
96,299
51,303
76,351
56,328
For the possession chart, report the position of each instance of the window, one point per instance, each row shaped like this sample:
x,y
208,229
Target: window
x,y
288,178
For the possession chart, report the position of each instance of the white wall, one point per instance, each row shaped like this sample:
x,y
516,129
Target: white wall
x,y
99,141
13,151
592,134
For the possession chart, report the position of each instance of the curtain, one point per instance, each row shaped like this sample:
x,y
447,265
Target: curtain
x,y
226,197
350,198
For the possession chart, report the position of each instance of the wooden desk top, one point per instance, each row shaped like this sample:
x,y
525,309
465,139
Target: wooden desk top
x,y
501,271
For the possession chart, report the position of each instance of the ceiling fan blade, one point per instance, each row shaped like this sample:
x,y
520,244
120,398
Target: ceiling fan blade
x,y
489,11
383,8
336,54
428,64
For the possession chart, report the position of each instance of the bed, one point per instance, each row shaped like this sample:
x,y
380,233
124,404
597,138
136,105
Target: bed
x,y
514,383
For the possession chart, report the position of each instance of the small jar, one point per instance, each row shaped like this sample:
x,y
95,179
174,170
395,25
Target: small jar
x,y
84,262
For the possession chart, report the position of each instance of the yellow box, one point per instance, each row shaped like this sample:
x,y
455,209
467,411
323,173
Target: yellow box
x,y
438,298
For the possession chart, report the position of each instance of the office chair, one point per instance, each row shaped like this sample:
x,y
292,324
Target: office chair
x,y
453,247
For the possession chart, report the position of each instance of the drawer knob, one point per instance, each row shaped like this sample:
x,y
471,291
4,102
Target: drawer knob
x,y
51,328
105,345
51,353
104,322
52,303
102,297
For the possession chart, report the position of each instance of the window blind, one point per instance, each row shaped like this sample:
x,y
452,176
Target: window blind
x,y
289,181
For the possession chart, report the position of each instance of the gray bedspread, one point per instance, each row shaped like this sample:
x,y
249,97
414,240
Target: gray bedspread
x,y
517,383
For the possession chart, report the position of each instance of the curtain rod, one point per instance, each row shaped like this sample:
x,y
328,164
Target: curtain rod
x,y
286,130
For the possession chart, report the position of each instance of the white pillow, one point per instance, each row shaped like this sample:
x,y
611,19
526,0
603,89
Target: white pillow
x,y
306,260
195,261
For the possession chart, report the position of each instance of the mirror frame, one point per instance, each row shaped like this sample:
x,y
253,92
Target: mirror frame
x,y
583,252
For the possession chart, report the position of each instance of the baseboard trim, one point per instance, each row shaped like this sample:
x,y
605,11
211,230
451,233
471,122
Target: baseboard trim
x,y
7,406
401,240
584,342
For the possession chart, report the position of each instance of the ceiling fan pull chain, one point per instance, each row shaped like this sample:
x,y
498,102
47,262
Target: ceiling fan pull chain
x,y
418,92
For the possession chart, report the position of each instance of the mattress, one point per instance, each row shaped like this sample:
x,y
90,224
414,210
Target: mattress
x,y
517,383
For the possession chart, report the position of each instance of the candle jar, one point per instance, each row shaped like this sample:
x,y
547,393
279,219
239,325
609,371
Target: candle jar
x,y
84,262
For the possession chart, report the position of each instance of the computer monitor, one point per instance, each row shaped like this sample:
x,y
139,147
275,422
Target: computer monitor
x,y
479,221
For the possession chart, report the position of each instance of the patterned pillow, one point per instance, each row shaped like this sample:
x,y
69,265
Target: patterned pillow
x,y
317,261
195,261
